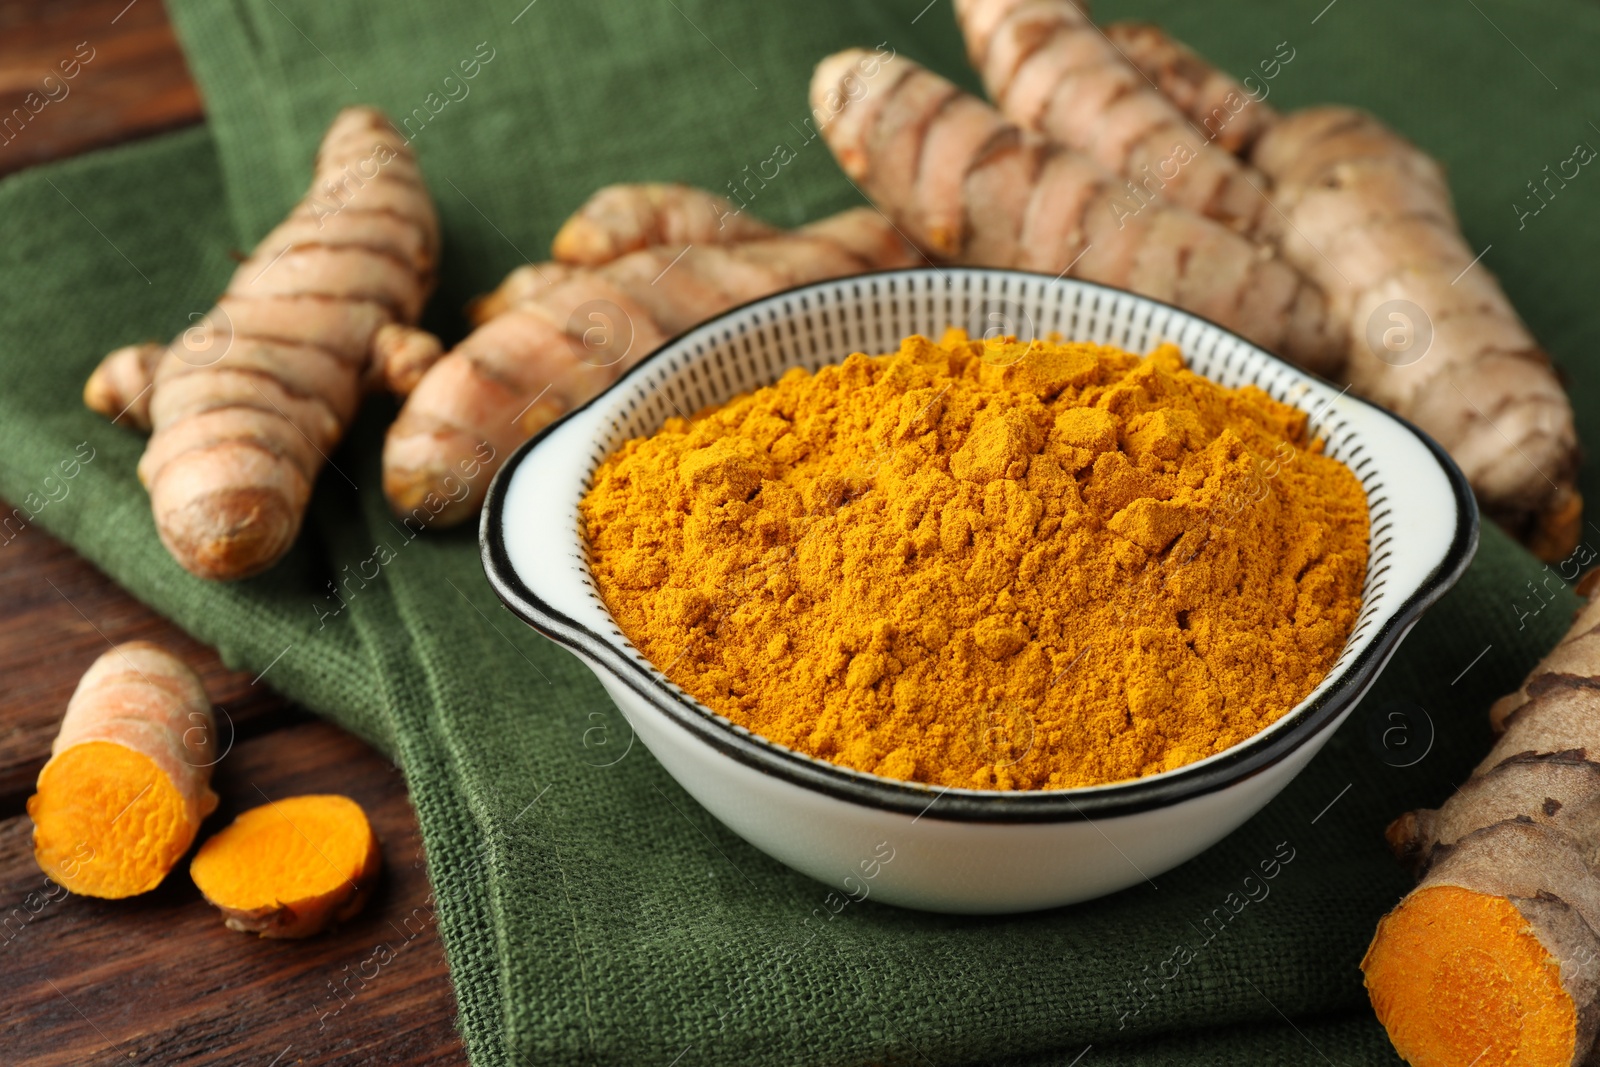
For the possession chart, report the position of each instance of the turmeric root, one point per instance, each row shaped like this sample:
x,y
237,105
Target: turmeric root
x,y
966,185
247,403
401,355
552,336
1229,114
119,388
290,868
128,781
1494,958
1371,221
1050,69
625,218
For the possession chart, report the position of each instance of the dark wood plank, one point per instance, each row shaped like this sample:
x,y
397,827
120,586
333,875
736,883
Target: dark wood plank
x,y
158,979
61,613
134,82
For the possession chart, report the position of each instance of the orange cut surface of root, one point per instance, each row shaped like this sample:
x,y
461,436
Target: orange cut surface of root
x,y
107,821
1459,977
291,867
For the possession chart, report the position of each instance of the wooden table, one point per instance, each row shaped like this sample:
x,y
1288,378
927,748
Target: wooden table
x,y
157,979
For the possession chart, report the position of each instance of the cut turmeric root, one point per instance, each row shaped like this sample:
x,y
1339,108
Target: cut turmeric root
x,y
966,185
290,868
1461,977
554,335
1494,959
127,784
247,404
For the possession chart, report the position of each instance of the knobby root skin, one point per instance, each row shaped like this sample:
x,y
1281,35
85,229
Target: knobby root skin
x,y
1232,116
1371,221
1494,958
966,185
401,355
119,388
1050,69
1562,688
554,335
290,868
128,781
246,404
625,218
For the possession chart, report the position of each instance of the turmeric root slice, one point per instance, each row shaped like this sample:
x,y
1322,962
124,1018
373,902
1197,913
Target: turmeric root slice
x,y
1495,958
290,868
966,185
127,784
625,218
552,336
249,401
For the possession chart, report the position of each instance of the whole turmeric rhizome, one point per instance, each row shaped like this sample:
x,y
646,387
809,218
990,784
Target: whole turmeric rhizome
x,y
987,564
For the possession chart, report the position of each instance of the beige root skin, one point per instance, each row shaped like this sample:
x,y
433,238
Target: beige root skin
x,y
401,355
1229,114
119,388
625,218
1494,958
123,381
552,336
1562,680
1371,221
128,781
966,185
1050,69
247,403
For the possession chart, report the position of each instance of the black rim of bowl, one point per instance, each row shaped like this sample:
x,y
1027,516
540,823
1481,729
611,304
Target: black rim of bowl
x,y
949,803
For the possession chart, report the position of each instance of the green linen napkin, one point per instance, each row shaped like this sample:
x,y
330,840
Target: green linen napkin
x,y
591,911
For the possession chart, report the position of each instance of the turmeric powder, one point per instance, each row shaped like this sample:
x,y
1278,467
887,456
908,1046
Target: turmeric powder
x,y
986,564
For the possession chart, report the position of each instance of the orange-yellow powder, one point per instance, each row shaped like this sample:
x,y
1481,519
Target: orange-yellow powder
x,y
987,565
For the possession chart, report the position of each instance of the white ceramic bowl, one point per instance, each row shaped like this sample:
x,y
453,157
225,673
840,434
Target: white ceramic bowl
x,y
960,850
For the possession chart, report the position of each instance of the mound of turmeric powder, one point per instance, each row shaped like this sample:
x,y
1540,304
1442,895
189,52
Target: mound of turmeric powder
x,y
985,564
